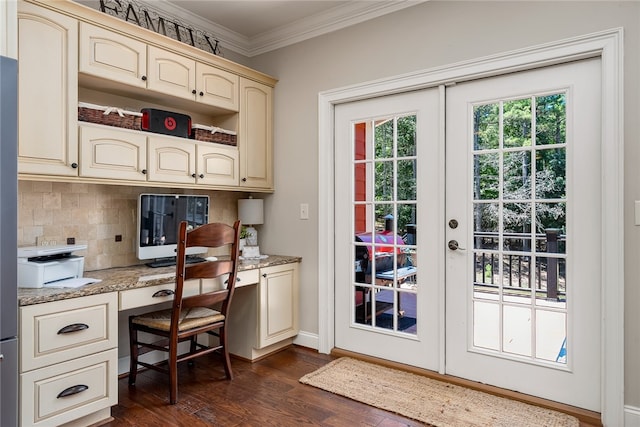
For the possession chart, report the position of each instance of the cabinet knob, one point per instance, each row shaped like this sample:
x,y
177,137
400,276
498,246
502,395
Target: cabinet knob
x,y
201,176
74,165
201,93
193,175
244,179
144,78
193,91
264,275
144,171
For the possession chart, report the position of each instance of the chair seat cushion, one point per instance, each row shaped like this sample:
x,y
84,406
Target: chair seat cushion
x,y
189,318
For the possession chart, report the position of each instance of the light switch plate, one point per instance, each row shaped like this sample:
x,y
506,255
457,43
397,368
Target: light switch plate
x,y
637,211
304,211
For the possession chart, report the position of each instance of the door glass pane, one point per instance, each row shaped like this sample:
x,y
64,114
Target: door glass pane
x,y
486,120
551,342
520,224
517,175
517,123
551,174
385,228
486,176
516,220
486,325
551,123
516,333
385,180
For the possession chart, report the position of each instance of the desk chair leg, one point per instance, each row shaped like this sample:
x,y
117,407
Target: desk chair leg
x,y
192,348
225,352
133,354
173,374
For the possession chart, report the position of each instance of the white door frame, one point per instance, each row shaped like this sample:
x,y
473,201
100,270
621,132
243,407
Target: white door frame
x,y
606,44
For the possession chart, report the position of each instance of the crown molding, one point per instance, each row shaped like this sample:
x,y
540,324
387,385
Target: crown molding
x,y
333,19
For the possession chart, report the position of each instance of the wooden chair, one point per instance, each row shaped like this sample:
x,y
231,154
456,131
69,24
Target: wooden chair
x,y
192,315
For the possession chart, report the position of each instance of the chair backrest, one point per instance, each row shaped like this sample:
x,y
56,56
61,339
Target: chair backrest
x,y
213,235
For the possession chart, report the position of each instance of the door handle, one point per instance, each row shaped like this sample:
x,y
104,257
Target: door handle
x,y
454,246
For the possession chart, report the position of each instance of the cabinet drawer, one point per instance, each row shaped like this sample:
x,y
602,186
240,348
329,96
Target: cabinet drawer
x,y
247,277
58,331
150,295
64,392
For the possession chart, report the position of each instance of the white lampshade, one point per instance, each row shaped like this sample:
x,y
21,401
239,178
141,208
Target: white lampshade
x,y
250,211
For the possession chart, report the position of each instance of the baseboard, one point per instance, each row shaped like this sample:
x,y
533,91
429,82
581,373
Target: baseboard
x,y
307,339
631,416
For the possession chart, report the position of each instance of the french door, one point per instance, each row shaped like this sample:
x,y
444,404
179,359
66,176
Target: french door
x,y
489,270
523,232
387,258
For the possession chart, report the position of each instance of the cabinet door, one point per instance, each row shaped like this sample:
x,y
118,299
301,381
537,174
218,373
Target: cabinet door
x,y
171,74
217,165
171,160
278,312
48,92
112,153
216,87
112,56
255,136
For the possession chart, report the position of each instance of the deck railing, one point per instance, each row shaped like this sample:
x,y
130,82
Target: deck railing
x,y
518,274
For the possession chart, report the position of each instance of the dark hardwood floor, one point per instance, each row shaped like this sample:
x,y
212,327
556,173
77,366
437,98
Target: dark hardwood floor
x,y
265,393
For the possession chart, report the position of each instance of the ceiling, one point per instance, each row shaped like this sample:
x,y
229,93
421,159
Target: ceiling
x,y
254,27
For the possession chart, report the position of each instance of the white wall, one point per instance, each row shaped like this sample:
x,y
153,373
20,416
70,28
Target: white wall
x,y
431,34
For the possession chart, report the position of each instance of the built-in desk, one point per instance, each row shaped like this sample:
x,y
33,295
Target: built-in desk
x,y
76,340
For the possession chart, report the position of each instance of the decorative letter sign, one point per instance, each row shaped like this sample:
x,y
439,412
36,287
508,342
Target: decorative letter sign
x,y
145,17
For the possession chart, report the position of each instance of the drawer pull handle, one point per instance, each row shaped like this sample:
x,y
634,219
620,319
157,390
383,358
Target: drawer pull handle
x,y
226,282
73,390
163,293
74,327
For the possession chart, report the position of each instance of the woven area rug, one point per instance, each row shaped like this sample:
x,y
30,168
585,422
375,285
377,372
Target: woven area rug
x,y
427,400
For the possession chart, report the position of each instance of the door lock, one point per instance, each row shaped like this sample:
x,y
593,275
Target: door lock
x,y
453,223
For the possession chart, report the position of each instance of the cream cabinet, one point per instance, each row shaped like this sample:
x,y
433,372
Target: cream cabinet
x,y
69,53
217,87
120,154
171,160
188,162
278,304
256,135
68,361
112,153
264,318
171,74
217,165
112,56
47,91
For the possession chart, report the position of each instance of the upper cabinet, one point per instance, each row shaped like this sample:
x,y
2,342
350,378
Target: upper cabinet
x,y
48,92
112,56
216,87
69,53
117,57
256,145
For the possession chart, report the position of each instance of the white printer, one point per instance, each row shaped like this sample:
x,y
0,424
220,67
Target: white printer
x,y
39,266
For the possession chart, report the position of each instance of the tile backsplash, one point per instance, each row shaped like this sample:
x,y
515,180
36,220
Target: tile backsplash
x,y
94,214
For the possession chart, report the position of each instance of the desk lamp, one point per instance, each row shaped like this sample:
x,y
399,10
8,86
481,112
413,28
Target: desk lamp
x,y
250,213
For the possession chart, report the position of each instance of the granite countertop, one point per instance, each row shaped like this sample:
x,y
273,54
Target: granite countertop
x,y
122,278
